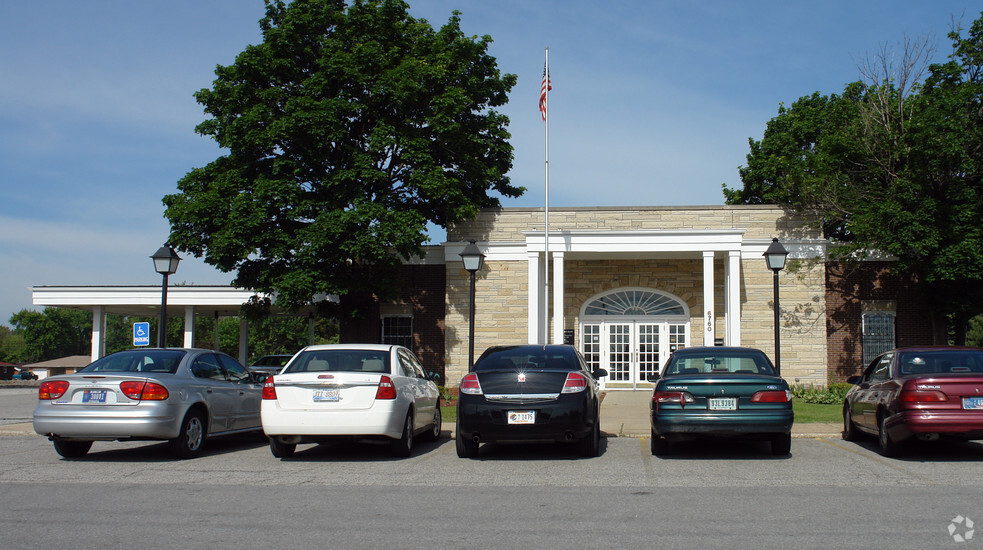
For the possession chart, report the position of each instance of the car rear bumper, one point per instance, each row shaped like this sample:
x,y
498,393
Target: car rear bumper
x,y
145,421
717,424
956,423
568,418
382,418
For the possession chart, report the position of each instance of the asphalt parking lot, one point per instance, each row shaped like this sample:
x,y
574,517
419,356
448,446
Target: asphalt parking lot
x,y
718,494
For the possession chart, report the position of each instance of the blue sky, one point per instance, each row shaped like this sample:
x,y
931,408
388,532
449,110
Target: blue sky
x,y
652,104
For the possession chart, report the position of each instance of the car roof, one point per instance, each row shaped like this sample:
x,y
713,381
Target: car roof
x,y
705,349
368,347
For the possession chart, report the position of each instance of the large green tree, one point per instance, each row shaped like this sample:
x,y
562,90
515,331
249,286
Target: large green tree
x,y
893,165
52,333
347,130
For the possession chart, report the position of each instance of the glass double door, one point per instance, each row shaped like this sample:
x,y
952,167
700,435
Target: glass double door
x,y
631,351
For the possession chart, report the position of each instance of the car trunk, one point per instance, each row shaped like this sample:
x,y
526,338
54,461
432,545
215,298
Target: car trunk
x,y
511,382
319,391
97,391
962,392
724,392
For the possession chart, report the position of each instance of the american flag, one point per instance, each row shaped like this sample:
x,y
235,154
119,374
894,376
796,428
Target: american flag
x,y
547,86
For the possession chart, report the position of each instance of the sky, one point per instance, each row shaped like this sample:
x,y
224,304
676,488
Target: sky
x,y
653,103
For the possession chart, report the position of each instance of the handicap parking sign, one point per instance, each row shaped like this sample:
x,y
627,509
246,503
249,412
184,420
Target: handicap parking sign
x,y
141,334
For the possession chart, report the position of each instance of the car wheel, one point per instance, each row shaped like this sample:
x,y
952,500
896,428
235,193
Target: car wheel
x,y
849,428
466,448
888,446
191,438
403,445
281,449
433,434
590,446
660,445
781,445
72,449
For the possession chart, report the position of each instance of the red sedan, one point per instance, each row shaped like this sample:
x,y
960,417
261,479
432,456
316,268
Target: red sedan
x,y
917,393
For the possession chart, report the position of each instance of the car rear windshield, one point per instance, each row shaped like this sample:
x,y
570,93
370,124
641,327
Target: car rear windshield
x,y
940,362
272,361
528,358
736,362
347,360
136,361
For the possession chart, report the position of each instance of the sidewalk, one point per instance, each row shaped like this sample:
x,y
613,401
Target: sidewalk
x,y
626,414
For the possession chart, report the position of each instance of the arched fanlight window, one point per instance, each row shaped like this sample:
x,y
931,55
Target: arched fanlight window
x,y
635,303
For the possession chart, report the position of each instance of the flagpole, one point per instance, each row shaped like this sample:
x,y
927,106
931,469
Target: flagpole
x,y
546,224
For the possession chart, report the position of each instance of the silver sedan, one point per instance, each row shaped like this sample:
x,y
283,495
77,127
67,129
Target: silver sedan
x,y
179,395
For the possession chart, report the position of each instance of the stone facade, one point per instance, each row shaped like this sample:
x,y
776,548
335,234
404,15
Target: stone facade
x,y
502,305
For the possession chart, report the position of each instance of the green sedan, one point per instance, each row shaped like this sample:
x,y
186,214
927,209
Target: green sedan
x,y
720,392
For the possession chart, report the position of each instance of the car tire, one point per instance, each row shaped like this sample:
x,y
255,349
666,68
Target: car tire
x,y
781,445
72,449
433,434
404,445
281,449
660,445
888,446
590,446
466,448
191,438
849,428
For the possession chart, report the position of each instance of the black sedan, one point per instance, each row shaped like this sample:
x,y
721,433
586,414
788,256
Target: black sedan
x,y
721,391
529,393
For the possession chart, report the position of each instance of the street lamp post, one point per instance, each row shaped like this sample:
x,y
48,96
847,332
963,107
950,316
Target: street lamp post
x,y
473,258
165,263
775,256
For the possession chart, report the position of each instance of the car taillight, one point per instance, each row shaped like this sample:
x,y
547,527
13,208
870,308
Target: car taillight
x,y
386,389
576,382
681,397
923,396
53,389
470,385
269,390
772,396
143,391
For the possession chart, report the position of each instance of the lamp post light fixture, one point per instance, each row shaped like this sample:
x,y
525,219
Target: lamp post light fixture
x,y
473,258
775,257
165,263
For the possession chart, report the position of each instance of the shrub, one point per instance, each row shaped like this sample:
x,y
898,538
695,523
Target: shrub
x,y
832,394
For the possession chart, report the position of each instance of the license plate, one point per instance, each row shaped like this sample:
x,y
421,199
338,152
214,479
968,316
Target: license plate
x,y
326,395
94,396
522,417
723,403
973,402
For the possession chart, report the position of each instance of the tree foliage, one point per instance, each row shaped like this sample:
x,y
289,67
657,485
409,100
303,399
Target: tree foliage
x,y
51,333
893,165
348,129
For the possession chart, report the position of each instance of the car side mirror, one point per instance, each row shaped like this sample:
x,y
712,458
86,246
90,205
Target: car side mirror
x,y
654,377
599,373
257,377
853,380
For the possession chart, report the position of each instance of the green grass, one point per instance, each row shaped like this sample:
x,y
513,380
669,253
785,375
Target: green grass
x,y
448,414
817,412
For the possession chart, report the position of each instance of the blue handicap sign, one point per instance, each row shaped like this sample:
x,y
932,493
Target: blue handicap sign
x,y
141,334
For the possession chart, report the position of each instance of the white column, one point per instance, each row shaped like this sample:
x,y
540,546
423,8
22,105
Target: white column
x,y
243,340
98,333
558,297
733,298
189,326
708,311
534,298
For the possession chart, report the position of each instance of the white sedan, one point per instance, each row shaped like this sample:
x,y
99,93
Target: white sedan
x,y
365,390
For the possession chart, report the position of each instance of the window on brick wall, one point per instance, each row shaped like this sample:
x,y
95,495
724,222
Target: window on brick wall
x,y
878,334
398,329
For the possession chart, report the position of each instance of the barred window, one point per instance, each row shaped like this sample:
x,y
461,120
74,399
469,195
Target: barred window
x,y
878,335
398,329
